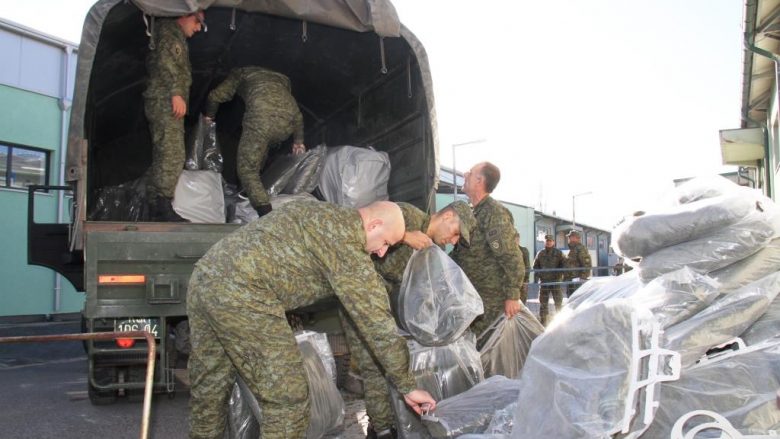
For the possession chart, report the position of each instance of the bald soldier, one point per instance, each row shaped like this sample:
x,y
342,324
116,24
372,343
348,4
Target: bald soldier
x,y
238,294
451,225
493,262
165,104
270,117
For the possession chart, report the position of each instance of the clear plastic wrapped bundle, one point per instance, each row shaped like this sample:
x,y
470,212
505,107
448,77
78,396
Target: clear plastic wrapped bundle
x,y
588,376
723,320
641,235
750,269
319,340
326,405
716,250
508,342
445,371
123,202
677,295
354,177
599,289
766,327
244,413
472,411
203,152
277,174
741,386
436,302
700,188
307,172
408,424
198,197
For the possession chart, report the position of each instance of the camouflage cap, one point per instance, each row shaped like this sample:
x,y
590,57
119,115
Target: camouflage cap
x,y
549,238
467,220
573,232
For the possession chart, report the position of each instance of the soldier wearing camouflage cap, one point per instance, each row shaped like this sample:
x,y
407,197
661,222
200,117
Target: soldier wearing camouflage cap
x,y
578,260
451,225
549,258
270,117
493,262
239,291
165,104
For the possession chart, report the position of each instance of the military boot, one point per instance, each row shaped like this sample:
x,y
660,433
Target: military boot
x,y
263,209
388,433
161,210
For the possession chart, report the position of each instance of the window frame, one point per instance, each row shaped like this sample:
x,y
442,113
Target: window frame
x,y
6,182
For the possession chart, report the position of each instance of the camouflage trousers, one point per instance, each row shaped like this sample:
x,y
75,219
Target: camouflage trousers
x,y
377,395
235,330
167,148
544,300
493,306
252,152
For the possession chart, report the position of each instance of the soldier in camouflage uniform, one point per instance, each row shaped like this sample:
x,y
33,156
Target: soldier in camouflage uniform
x,y
578,257
451,225
493,262
271,116
238,294
549,258
165,104
526,273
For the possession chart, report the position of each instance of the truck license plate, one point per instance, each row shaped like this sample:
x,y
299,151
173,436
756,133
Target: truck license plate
x,y
137,324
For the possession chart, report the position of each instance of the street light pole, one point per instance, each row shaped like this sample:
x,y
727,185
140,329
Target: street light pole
x,y
573,211
454,170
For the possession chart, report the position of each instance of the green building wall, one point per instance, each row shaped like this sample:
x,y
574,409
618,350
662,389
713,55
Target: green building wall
x,y
30,119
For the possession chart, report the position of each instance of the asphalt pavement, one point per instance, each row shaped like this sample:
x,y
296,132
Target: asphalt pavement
x,y
44,395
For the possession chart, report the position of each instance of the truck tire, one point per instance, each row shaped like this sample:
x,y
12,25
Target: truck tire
x,y
103,375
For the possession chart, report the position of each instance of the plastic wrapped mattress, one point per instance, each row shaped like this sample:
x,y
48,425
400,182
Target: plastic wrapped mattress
x,y
436,302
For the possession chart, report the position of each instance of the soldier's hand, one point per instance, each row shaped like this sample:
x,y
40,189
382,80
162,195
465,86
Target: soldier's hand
x,y
511,307
298,148
417,240
418,400
179,107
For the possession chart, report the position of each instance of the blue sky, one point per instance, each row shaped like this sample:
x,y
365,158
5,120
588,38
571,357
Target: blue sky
x,y
613,97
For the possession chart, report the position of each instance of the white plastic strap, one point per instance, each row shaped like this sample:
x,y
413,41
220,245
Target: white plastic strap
x,y
654,357
719,423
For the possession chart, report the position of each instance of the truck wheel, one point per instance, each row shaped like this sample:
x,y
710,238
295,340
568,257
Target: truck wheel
x,y
103,375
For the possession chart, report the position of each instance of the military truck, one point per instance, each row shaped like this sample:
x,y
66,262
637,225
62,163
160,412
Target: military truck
x,y
360,77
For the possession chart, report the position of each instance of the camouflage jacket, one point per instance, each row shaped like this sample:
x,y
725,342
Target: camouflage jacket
x,y
578,257
302,253
168,65
493,262
549,258
392,266
526,264
266,94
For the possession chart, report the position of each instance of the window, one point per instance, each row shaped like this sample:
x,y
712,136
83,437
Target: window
x,y
591,240
22,166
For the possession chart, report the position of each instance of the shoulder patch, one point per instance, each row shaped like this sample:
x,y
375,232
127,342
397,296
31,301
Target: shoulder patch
x,y
177,50
492,232
495,245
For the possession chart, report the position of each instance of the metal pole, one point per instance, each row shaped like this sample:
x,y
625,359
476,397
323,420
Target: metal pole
x,y
151,355
573,213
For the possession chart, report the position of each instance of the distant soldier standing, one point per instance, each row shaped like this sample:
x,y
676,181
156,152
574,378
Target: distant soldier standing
x,y
549,258
271,116
526,273
165,104
493,262
238,294
578,257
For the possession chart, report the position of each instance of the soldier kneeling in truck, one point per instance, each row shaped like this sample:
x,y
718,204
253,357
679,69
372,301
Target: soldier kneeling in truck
x,y
238,294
